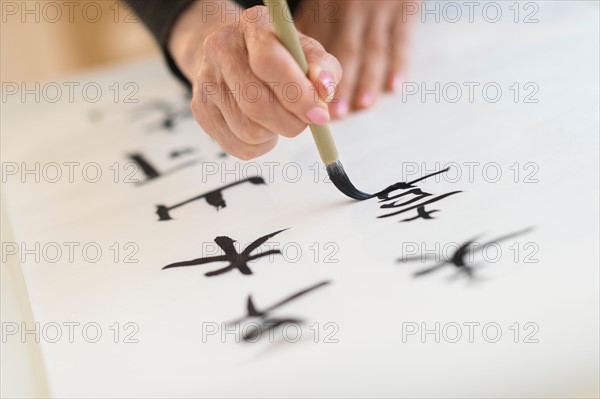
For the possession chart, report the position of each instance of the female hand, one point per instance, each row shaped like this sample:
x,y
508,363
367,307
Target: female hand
x,y
247,88
368,37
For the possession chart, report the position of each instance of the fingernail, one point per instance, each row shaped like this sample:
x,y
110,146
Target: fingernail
x,y
397,82
341,108
326,79
318,116
365,99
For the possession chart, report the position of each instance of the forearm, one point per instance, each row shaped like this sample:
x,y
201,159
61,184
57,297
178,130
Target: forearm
x,y
180,27
159,16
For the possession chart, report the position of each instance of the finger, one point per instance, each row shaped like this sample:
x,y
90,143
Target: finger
x,y
253,112
375,64
347,49
399,50
209,117
240,124
324,71
272,63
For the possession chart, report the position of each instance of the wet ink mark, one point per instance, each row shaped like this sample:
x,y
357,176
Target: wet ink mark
x,y
151,172
236,260
421,212
183,151
459,257
412,196
268,322
213,198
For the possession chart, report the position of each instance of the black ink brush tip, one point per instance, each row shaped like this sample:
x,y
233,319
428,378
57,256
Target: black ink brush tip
x,y
286,33
340,179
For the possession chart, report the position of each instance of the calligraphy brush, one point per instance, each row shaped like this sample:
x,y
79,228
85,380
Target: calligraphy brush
x,y
287,34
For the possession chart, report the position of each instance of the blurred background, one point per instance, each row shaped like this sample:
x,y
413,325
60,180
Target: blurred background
x,y
42,40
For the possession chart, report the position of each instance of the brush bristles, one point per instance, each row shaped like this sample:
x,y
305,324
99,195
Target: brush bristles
x,y
340,179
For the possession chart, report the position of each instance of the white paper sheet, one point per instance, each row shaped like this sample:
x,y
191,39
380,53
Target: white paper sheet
x,y
545,280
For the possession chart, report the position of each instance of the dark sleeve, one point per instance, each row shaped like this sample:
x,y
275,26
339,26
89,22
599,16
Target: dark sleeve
x,y
159,16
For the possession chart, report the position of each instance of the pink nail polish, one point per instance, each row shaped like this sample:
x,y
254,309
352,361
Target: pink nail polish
x,y
326,79
342,108
397,82
318,116
366,99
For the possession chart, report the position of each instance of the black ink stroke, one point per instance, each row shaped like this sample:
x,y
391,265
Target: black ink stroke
x,y
264,316
183,151
151,172
402,200
384,194
213,198
420,208
459,257
236,260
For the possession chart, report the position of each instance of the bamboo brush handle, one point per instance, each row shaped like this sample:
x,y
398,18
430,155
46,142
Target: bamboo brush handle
x,y
287,34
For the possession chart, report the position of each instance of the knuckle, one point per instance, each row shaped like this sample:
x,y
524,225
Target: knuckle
x,y
225,140
249,14
255,16
213,41
247,152
257,136
225,145
255,23
252,134
218,43
310,45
